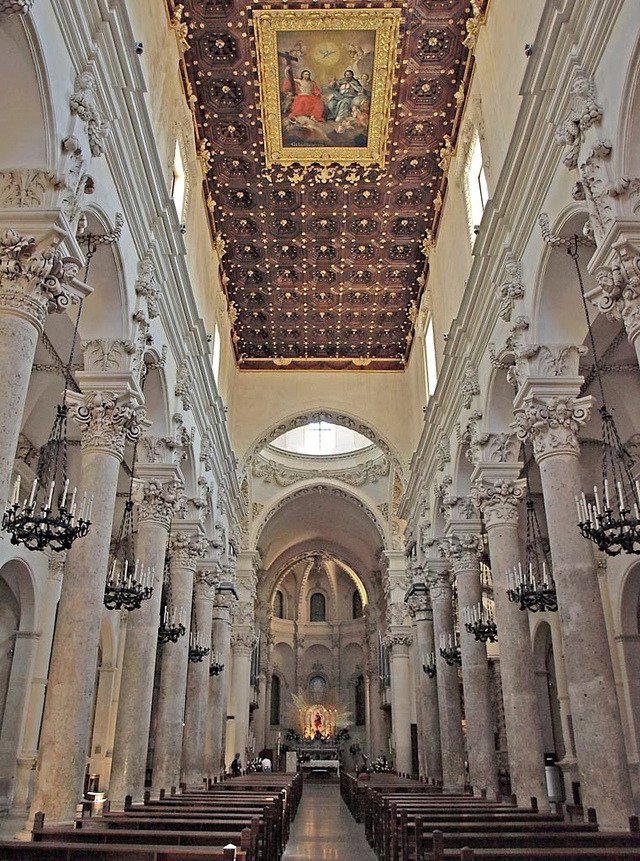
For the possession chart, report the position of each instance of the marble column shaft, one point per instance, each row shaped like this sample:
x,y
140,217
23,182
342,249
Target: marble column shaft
x,y
67,714
449,707
218,688
242,645
184,550
428,692
33,283
399,644
552,425
522,716
483,764
138,667
197,701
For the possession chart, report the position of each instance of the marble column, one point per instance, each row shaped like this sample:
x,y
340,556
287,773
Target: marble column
x,y
36,278
197,701
549,414
500,494
28,755
224,599
418,598
398,644
155,511
108,418
185,548
464,551
242,646
449,707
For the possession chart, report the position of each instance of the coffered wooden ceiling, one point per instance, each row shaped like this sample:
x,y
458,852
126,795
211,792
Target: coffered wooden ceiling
x,y
323,265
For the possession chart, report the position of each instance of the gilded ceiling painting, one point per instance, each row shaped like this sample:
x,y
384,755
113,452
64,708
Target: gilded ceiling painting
x,y
325,134
326,78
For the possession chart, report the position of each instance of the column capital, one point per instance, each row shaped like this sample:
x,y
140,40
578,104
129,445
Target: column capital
x,y
38,275
616,267
551,423
498,498
56,565
185,548
159,502
243,641
464,550
205,584
419,601
108,418
439,579
397,641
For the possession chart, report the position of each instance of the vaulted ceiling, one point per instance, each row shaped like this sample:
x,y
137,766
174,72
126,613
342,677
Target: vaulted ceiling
x,y
323,264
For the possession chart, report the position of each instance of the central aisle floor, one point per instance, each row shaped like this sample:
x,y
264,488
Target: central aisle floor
x,y
324,830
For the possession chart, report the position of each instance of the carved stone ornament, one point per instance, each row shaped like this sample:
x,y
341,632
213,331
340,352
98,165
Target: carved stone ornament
x,y
470,387
619,294
552,425
584,111
494,448
147,286
108,355
243,640
108,420
225,601
439,583
14,7
419,604
205,584
207,451
499,502
158,503
34,283
442,452
464,551
274,473
184,384
396,638
510,288
83,102
398,615
186,549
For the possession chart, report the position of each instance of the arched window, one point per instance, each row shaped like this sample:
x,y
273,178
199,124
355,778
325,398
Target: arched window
x,y
317,608
356,604
360,709
275,701
317,687
278,605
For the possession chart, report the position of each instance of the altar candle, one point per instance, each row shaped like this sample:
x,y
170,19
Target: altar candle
x,y
16,492
64,493
34,488
595,493
606,493
620,495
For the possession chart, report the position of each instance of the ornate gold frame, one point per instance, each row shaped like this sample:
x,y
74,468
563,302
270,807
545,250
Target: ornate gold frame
x,y
268,23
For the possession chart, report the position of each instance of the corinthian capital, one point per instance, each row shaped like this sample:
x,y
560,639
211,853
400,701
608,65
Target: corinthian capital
x,y
205,584
243,640
464,551
107,420
439,582
552,424
396,639
499,500
14,7
34,283
186,549
159,502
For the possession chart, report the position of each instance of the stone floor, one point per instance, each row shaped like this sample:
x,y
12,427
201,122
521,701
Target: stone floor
x,y
324,830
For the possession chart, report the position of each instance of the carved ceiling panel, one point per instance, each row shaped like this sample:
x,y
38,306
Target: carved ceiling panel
x,y
323,264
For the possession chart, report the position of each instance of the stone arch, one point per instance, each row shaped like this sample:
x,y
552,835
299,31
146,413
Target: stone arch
x,y
556,310
546,684
312,486
628,153
106,312
304,599
497,410
332,416
284,570
156,396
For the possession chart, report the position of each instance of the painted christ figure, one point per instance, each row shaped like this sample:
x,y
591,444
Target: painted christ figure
x,y
307,99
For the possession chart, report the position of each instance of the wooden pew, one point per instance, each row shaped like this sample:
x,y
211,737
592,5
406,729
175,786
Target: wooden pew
x,y
78,851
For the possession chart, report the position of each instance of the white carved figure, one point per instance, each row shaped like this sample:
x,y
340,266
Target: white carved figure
x,y
511,287
584,111
83,102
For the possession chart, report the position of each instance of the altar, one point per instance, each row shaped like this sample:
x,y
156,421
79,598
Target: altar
x,y
321,765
